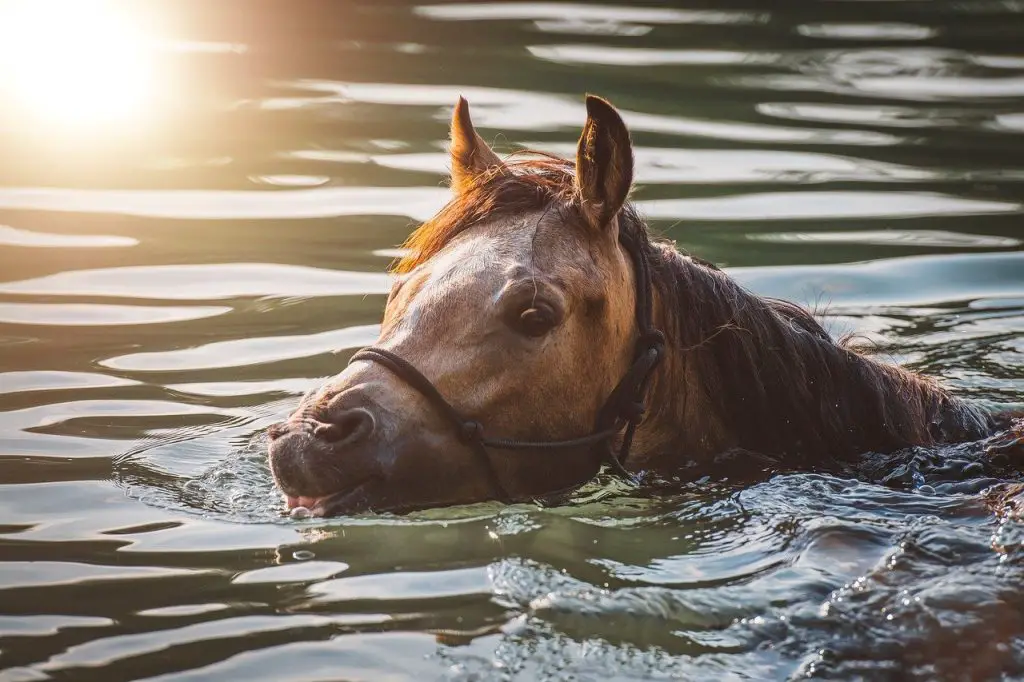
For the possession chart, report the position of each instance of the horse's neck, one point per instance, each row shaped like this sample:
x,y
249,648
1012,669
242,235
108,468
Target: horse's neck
x,y
747,372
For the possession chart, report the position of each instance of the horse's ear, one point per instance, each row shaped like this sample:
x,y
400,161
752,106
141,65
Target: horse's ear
x,y
604,163
470,154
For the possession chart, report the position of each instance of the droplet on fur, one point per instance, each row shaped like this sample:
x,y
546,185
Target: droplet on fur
x,y
300,513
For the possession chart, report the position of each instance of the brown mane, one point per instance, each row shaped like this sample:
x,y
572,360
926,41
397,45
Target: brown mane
x,y
530,183
769,378
779,383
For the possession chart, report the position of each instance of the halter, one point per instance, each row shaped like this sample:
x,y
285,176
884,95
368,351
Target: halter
x,y
623,409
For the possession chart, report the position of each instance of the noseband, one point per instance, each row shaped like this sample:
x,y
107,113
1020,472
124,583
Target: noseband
x,y
623,409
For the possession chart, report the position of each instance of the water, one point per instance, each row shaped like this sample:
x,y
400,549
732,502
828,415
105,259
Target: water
x,y
189,249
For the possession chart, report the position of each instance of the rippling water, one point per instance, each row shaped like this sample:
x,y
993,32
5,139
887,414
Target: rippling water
x,y
171,284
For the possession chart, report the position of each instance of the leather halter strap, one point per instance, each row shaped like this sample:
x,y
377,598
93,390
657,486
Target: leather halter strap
x,y
622,410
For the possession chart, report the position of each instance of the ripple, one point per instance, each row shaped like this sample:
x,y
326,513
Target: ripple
x,y
673,166
867,31
59,413
910,87
246,352
24,445
100,507
999,61
809,205
418,203
894,237
534,111
680,608
182,610
16,574
367,656
105,651
10,236
1009,122
299,572
403,585
915,280
755,555
17,382
637,56
215,389
95,315
590,27
938,593
869,114
505,11
948,88
654,614
291,180
924,75
204,282
41,626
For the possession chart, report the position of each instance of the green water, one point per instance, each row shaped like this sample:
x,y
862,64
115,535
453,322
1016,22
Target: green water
x,y
171,281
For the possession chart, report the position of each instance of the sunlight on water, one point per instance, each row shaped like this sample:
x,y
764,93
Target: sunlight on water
x,y
75,63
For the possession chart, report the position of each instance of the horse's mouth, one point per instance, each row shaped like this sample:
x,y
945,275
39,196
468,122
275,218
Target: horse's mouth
x,y
308,502
353,500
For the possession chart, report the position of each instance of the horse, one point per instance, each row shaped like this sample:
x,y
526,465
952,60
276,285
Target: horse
x,y
536,332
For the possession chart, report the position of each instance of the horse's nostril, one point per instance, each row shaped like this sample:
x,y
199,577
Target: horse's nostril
x,y
348,428
328,432
277,430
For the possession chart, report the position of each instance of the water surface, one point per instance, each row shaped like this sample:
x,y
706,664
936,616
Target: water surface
x,y
197,208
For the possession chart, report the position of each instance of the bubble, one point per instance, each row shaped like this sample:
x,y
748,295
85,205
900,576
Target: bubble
x,y
194,486
300,513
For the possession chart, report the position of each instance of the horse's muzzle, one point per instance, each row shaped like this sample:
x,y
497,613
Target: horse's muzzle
x,y
307,454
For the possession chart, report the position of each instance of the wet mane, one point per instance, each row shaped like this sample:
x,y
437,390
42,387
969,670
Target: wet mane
x,y
747,372
779,383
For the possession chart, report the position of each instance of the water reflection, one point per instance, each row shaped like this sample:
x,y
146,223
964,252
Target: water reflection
x,y
323,202
247,352
867,31
626,56
94,314
826,204
913,74
512,110
558,17
10,236
199,282
932,238
868,286
18,382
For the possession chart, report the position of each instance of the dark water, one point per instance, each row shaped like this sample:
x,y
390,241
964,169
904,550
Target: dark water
x,y
194,233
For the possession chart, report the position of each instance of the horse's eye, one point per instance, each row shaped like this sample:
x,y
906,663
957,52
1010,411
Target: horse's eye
x,y
536,321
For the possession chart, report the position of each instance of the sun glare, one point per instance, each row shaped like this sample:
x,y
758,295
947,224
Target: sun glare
x,y
74,62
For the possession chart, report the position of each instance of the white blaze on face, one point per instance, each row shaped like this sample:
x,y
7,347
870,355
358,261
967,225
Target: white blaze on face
x,y
463,280
445,319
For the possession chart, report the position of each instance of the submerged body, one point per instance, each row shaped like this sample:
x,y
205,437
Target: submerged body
x,y
518,304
